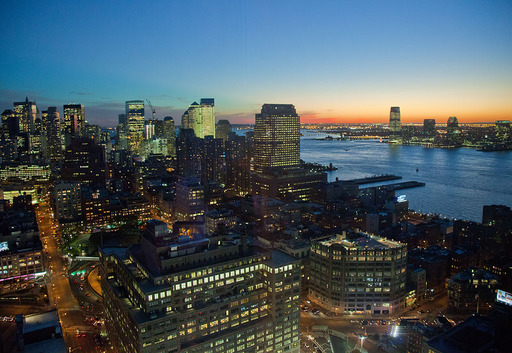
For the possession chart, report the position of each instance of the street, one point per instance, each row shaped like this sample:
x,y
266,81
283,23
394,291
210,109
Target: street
x,y
77,333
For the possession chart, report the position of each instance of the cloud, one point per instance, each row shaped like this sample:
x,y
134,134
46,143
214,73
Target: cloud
x,y
236,118
8,97
75,93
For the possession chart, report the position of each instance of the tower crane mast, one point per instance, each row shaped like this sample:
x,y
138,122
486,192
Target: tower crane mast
x,y
151,107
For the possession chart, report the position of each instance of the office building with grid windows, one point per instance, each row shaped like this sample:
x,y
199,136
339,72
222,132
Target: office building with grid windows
x,y
184,292
358,273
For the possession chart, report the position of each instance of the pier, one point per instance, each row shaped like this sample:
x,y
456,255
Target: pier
x,y
401,186
374,179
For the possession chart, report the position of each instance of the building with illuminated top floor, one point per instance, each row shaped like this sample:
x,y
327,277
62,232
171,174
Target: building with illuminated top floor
x,y
181,291
358,273
278,172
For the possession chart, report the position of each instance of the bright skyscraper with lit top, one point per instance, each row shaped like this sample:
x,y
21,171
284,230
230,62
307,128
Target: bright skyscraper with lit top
x,y
276,137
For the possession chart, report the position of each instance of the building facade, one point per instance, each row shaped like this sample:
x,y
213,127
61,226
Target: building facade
x,y
276,137
134,123
395,125
74,120
358,273
200,118
190,293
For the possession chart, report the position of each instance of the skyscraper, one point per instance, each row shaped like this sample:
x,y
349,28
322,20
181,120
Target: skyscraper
x,y
395,125
200,118
74,119
276,137
223,129
429,127
208,115
189,153
27,113
51,120
278,172
169,133
134,123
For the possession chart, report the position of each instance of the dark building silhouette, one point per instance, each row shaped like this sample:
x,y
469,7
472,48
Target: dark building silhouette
x,y
213,161
223,129
189,153
84,161
429,127
53,132
238,164
169,133
395,126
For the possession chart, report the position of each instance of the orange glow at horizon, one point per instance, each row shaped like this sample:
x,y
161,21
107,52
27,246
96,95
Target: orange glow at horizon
x,y
475,117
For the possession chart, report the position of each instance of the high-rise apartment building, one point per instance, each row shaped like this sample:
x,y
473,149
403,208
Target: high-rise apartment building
x,y
358,273
185,292
200,118
395,126
134,123
276,137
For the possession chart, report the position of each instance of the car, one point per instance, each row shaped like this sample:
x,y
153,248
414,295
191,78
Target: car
x,y
315,311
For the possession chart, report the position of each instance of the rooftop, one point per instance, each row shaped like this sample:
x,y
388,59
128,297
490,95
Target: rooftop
x,y
37,322
279,258
362,241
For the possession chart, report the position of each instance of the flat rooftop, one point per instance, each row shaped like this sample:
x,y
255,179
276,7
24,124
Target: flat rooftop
x,y
363,241
40,321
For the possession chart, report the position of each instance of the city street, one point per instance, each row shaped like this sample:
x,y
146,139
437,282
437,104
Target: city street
x,y
368,326
77,333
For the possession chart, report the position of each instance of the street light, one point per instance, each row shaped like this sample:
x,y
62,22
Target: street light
x,y
362,340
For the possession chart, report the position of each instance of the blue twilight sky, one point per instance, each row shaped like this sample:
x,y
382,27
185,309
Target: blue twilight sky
x,y
346,61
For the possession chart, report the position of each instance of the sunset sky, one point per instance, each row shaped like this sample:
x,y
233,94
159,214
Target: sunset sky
x,y
344,61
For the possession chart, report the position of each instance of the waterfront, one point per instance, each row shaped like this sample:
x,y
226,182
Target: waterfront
x,y
458,181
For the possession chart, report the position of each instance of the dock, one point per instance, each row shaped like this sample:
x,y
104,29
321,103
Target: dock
x,y
401,186
374,179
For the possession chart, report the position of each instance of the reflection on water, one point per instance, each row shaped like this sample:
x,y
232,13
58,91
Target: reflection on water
x,y
458,181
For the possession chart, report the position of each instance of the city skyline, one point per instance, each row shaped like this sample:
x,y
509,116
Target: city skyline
x,y
340,62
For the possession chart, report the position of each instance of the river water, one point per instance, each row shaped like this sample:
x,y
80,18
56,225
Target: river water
x,y
459,182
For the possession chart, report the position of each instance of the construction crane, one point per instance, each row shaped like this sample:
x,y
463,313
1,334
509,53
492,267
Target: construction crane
x,y
152,109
